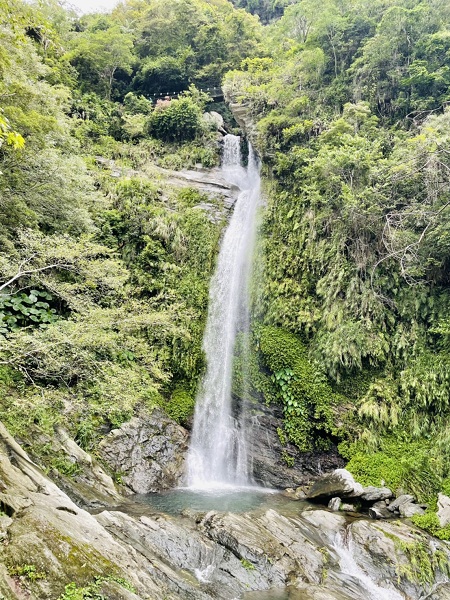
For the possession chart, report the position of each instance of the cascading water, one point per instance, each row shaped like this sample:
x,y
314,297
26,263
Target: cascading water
x,y
350,568
218,453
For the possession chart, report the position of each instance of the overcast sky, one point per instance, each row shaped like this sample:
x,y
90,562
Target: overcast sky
x,y
86,6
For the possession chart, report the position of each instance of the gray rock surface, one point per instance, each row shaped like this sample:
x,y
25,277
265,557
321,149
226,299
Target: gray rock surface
x,y
147,453
47,530
338,483
244,118
441,592
374,494
296,494
207,181
92,486
379,510
214,120
409,509
379,513
312,554
403,499
335,504
443,512
406,506
377,548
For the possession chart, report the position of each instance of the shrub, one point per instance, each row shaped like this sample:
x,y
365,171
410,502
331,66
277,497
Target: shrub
x,y
175,120
300,386
180,406
399,463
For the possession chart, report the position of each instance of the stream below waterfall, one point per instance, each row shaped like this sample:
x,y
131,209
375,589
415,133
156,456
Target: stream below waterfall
x,y
249,538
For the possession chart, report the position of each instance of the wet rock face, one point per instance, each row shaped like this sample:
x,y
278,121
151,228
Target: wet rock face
x,y
64,543
375,494
316,555
406,506
147,453
442,592
266,453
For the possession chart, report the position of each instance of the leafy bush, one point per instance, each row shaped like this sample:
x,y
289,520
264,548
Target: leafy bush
x,y
301,387
22,309
430,523
181,405
64,466
175,120
401,463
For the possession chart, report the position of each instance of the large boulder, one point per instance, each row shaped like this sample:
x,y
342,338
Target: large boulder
x,y
401,500
338,483
214,120
379,512
410,509
147,453
375,494
335,504
405,505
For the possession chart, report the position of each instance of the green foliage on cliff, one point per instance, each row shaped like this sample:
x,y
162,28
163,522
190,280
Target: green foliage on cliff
x,y
104,264
349,114
180,120
301,387
180,407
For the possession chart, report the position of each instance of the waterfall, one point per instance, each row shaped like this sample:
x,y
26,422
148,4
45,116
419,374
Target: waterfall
x,y
218,452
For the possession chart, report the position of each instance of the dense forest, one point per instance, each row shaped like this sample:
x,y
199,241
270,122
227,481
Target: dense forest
x,y
105,266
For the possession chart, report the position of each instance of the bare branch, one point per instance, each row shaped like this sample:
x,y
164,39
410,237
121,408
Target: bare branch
x,y
21,273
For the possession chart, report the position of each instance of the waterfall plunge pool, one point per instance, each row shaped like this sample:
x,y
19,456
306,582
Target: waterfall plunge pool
x,y
220,498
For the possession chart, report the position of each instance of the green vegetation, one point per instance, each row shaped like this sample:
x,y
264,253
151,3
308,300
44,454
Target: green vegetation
x,y
180,406
28,572
247,564
299,384
104,264
430,522
93,591
423,561
349,110
181,119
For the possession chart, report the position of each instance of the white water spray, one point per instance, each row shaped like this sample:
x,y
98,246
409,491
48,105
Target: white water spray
x,y
349,567
218,452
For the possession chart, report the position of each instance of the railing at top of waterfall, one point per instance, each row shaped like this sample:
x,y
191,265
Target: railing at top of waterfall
x,y
215,92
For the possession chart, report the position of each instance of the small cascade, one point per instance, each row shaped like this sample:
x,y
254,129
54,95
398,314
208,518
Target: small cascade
x,y
350,568
218,452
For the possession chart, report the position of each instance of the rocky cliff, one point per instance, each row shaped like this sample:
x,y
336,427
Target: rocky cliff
x,y
52,548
